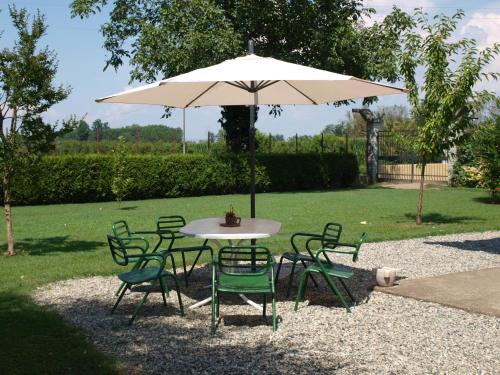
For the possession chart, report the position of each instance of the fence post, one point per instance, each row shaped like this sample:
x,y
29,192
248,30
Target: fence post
x,y
208,141
373,125
270,143
296,143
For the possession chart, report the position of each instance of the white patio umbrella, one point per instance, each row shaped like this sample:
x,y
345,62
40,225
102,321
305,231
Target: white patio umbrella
x,y
252,80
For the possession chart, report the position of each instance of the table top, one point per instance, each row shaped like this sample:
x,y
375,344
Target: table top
x,y
249,229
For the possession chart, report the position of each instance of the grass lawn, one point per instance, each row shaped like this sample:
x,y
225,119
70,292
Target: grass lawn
x,y
68,241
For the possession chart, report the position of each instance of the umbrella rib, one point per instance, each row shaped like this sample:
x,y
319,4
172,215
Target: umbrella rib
x,y
202,93
300,92
238,85
264,84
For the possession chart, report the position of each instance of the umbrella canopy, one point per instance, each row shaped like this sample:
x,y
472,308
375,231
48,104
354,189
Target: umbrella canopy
x,y
251,80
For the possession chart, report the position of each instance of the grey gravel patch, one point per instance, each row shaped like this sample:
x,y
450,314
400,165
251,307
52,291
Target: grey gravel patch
x,y
385,334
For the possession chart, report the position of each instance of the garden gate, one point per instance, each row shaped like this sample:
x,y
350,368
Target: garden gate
x,y
397,160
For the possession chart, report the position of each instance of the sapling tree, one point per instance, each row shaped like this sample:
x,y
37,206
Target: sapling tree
x,y
445,103
26,91
120,185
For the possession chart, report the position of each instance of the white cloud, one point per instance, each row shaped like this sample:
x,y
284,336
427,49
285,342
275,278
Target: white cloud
x,y
485,27
384,7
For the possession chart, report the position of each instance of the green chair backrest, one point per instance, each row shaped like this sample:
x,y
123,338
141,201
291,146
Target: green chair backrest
x,y
118,250
172,224
121,229
244,260
331,234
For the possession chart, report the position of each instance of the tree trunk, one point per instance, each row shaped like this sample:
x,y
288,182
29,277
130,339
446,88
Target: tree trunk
x,y
420,196
8,214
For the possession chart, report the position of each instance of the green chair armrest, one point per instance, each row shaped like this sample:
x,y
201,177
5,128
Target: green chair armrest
x,y
160,258
135,239
145,232
302,234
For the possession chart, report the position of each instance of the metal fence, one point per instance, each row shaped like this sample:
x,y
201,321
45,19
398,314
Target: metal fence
x,y
398,161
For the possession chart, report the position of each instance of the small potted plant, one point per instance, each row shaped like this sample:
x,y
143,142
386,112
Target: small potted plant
x,y
231,220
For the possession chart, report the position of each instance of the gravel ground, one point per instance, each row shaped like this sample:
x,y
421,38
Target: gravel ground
x,y
385,334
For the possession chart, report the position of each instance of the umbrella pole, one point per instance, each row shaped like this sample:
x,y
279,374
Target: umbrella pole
x,y
251,146
251,142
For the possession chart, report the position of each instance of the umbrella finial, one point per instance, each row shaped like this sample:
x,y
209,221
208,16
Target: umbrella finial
x,y
250,47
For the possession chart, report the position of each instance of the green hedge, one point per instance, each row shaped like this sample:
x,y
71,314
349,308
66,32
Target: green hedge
x,y
87,178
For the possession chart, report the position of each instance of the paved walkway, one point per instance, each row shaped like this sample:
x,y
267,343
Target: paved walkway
x,y
473,291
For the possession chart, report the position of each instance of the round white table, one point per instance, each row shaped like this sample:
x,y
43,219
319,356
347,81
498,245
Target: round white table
x,y
211,229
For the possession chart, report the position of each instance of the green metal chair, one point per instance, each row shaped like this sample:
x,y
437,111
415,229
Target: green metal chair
x,y
243,269
331,271
167,227
329,238
121,230
133,249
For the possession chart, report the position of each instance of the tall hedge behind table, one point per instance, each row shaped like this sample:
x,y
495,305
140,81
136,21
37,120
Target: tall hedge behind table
x,y
88,178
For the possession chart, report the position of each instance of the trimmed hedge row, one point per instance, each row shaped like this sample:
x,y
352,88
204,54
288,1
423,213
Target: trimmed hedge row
x,y
87,178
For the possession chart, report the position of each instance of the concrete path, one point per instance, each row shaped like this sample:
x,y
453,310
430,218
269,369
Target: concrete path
x,y
473,291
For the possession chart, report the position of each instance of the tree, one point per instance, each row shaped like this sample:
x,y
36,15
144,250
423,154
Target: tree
x,y
98,126
444,105
121,184
396,118
160,39
339,129
82,131
26,91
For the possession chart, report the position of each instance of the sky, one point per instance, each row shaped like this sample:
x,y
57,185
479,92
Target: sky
x,y
78,44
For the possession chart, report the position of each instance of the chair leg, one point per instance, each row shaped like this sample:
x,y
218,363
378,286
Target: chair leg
x,y
213,303
276,278
162,286
290,280
217,305
177,289
264,306
311,276
194,264
300,292
347,290
338,294
275,322
185,271
139,306
123,289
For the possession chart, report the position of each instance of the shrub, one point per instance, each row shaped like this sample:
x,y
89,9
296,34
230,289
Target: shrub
x,y
487,139
88,178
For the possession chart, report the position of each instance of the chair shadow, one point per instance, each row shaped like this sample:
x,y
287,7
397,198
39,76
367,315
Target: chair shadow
x,y
360,285
47,245
490,245
189,338
438,218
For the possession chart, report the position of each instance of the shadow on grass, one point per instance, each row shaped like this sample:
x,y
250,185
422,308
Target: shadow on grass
x,y
43,246
491,245
438,218
128,208
487,200
36,341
